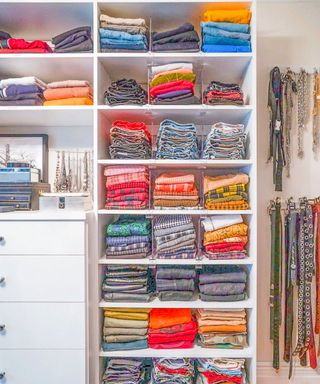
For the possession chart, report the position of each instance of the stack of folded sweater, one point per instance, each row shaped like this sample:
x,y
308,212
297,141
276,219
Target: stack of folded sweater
x,y
222,283
226,31
130,140
75,40
173,84
226,141
129,237
231,371
225,237
175,190
68,92
171,328
175,283
175,237
222,328
183,38
123,34
127,187
125,370
125,329
177,141
22,91
226,191
178,371
218,93
9,44
127,283
125,92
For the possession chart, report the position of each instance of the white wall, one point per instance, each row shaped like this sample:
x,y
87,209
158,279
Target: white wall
x,y
288,35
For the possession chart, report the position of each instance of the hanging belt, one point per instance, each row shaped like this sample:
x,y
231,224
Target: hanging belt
x,y
276,151
316,212
291,253
275,279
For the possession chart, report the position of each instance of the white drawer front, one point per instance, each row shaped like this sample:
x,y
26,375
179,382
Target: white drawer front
x,y
42,278
42,325
42,238
39,367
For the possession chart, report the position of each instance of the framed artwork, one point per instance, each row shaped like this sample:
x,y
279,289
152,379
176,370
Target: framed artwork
x,y
28,148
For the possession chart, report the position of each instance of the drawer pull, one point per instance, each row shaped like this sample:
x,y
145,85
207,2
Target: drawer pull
x,y
2,327
2,279
2,375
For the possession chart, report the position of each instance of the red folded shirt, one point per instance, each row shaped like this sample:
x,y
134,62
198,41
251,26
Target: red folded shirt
x,y
171,86
225,247
19,44
129,197
173,345
125,191
187,333
213,377
131,184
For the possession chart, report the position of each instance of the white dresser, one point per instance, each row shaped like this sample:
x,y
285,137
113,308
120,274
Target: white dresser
x,y
43,298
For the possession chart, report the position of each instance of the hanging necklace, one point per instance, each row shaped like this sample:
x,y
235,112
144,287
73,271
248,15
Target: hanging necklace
x,y
315,114
302,87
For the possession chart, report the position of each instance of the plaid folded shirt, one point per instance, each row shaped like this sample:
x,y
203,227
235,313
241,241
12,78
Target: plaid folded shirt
x,y
126,191
213,195
161,222
120,248
135,204
175,203
130,197
230,188
228,205
175,178
127,178
173,236
122,186
227,255
123,170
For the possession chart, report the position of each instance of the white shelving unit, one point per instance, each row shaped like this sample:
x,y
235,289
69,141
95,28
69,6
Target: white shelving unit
x,y
88,127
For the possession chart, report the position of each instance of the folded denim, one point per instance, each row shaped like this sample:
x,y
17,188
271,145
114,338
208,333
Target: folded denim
x,y
223,289
106,33
84,46
187,46
231,27
125,288
183,272
222,274
189,100
213,31
172,32
125,371
209,48
221,40
125,92
183,37
225,298
128,297
140,344
119,46
175,285
133,29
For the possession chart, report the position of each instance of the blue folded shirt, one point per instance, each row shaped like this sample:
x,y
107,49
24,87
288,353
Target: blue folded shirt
x,y
231,27
211,31
210,48
220,40
122,36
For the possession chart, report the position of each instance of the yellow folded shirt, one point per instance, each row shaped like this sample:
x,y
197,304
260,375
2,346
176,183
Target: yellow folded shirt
x,y
239,16
70,101
132,310
126,315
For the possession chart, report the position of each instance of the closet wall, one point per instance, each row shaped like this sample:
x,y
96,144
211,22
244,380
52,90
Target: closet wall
x,y
288,35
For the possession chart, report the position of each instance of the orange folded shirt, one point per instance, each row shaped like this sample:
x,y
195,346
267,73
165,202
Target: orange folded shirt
x,y
66,93
167,317
70,101
240,16
223,328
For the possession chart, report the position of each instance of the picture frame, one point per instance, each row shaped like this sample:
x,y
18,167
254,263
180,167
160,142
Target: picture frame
x,y
32,148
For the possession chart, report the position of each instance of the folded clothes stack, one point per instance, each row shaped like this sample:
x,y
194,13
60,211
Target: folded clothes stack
x,y
68,92
226,191
127,187
211,371
183,38
127,283
226,31
225,237
125,370
173,84
177,371
171,328
218,93
175,237
226,141
75,40
175,283
222,283
9,44
125,329
130,140
175,190
129,237
125,92
26,91
123,34
177,141
222,328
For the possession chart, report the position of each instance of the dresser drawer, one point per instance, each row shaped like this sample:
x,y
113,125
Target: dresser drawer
x,y
42,326
42,238
42,278
39,367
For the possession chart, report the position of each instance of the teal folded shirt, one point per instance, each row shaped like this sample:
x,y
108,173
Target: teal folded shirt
x,y
231,27
220,40
210,31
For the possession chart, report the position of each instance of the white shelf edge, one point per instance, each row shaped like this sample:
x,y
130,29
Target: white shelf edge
x,y
172,212
194,107
48,108
156,303
77,55
196,352
150,54
154,262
